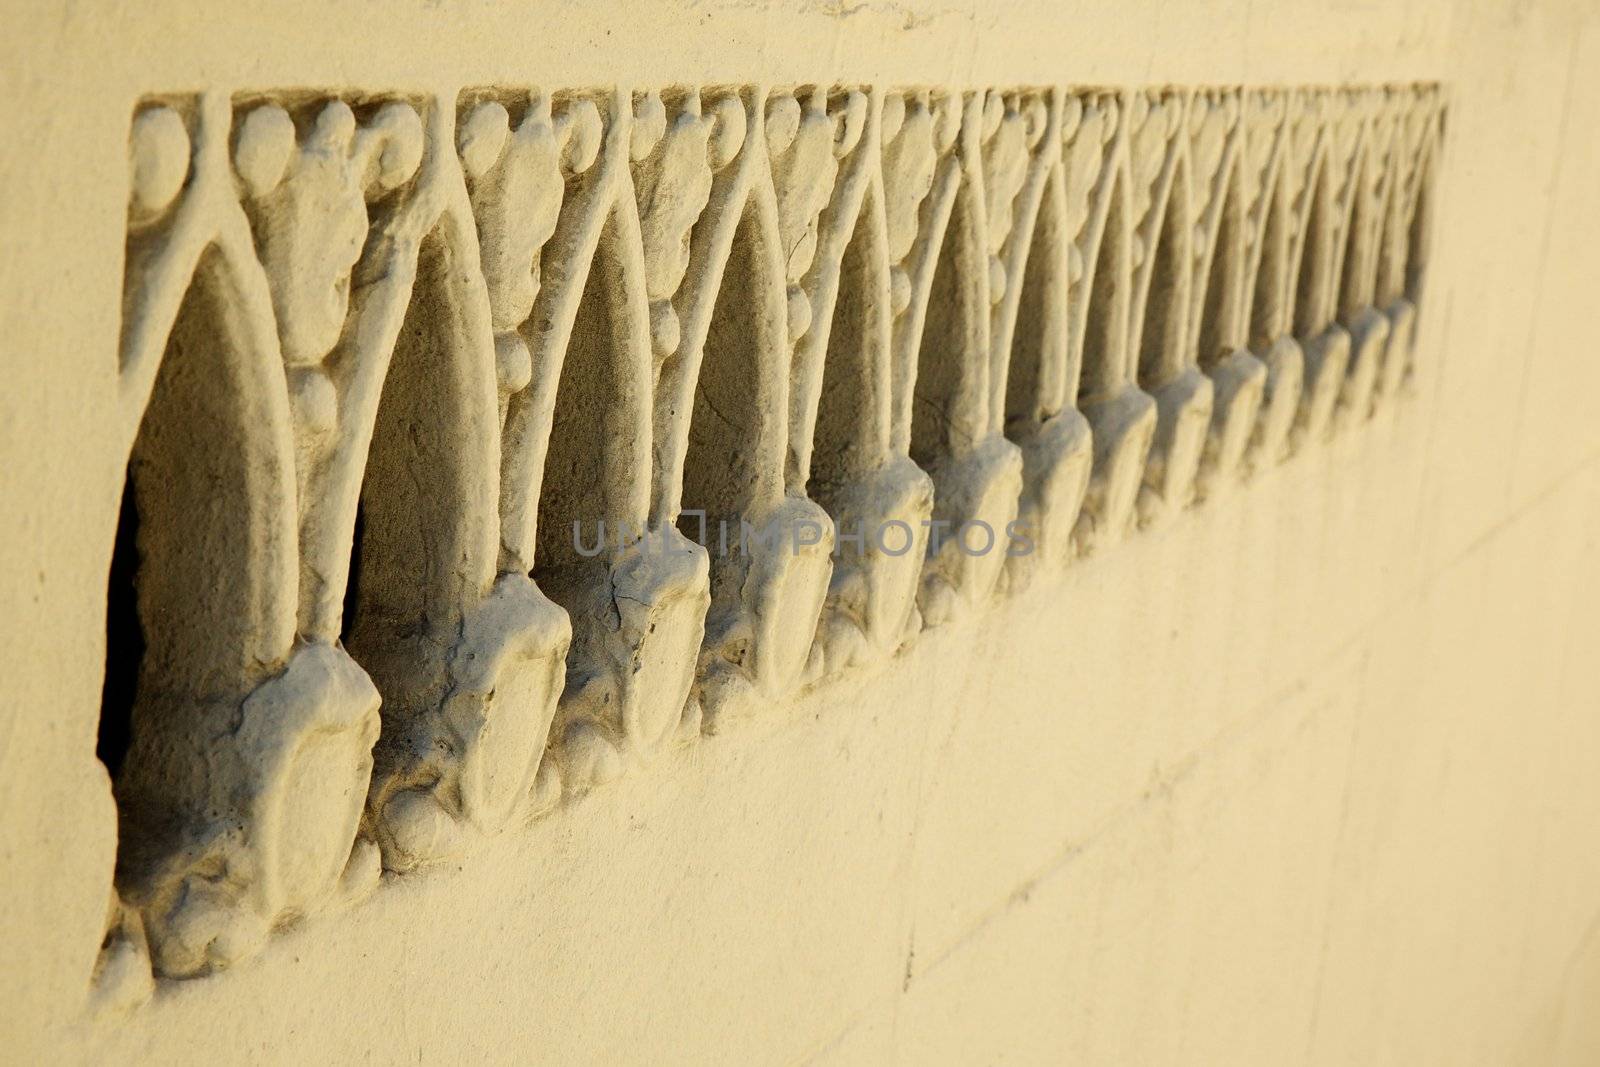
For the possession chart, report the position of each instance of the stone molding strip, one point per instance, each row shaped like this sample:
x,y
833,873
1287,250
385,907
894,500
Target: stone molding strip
x,y
380,353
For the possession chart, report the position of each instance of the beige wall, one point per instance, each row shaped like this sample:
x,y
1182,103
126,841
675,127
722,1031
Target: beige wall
x,y
1310,774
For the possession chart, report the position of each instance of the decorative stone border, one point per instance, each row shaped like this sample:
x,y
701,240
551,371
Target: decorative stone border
x,y
430,334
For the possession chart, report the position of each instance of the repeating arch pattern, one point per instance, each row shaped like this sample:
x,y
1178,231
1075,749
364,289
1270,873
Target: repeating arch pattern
x,y
485,445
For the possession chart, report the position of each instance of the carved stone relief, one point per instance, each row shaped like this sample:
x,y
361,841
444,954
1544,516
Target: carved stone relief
x,y
1231,139
483,446
1169,176
1122,418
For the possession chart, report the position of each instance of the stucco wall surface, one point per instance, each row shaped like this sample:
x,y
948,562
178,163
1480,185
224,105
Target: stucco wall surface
x,y
1310,774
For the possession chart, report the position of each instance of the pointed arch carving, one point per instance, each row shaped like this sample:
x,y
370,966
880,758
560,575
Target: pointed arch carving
x,y
1161,316
1370,187
1325,233
1407,228
218,847
879,501
959,389
1121,417
1038,413
1231,130
1272,338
